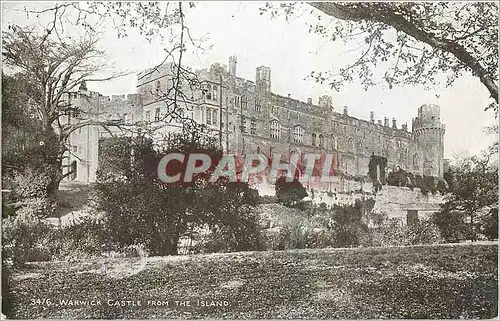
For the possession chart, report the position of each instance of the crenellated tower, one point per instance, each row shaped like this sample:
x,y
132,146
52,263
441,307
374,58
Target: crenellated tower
x,y
428,134
263,78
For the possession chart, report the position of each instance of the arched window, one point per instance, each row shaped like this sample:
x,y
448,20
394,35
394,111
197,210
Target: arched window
x,y
416,162
215,92
334,143
209,91
298,134
350,145
275,130
258,149
313,139
74,168
321,140
361,147
215,117
158,87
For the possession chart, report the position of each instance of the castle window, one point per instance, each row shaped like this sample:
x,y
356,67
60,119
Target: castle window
x,y
209,91
258,106
209,117
157,114
214,117
258,149
157,87
298,134
313,139
215,92
321,140
334,143
244,101
416,162
275,130
361,147
243,124
253,126
74,169
147,116
350,145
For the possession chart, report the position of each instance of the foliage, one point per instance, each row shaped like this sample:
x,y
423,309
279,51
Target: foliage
x,y
452,224
488,224
48,64
391,232
426,184
474,188
422,232
25,239
416,43
141,209
345,223
241,232
85,239
289,193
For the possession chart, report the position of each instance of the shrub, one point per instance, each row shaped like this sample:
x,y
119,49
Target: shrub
x,y
241,234
422,232
25,239
291,236
289,193
392,233
86,239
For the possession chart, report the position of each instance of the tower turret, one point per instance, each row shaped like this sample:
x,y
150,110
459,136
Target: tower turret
x,y
428,132
263,78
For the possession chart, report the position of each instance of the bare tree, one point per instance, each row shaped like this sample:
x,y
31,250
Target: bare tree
x,y
58,65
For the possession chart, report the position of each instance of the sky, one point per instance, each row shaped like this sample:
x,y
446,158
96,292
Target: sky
x,y
287,47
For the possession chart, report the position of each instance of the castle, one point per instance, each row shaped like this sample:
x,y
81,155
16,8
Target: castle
x,y
249,118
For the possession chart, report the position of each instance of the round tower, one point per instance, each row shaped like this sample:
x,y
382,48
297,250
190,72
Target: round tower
x,y
428,133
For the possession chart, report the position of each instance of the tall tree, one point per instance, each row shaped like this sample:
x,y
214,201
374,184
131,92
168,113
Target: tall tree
x,y
52,64
473,198
51,70
414,42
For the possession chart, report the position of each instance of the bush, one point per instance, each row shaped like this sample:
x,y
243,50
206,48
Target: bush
x,y
267,199
25,239
241,234
422,232
86,239
392,233
289,193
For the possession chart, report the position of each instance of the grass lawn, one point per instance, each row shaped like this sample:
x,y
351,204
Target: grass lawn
x,y
456,281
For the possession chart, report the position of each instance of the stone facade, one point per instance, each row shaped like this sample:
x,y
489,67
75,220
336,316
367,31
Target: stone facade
x,y
253,119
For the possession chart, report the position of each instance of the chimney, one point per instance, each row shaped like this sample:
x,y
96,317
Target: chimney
x,y
379,122
394,123
345,110
232,65
372,116
288,95
405,127
309,101
386,122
